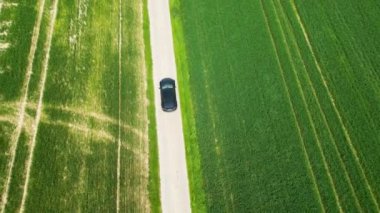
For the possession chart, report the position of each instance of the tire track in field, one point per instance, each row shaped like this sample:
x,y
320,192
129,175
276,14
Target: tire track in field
x,y
320,107
292,108
318,142
119,113
349,72
318,104
99,117
8,120
346,133
80,128
105,136
21,112
47,47
363,58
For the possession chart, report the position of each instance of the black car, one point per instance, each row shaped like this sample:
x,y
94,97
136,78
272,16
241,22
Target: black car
x,y
168,97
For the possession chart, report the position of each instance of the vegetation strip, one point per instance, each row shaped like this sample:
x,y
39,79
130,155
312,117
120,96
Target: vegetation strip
x,y
21,113
293,111
352,148
47,47
193,157
154,179
144,110
320,110
229,202
315,134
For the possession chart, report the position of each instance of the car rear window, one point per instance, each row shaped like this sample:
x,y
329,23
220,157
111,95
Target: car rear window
x,y
167,86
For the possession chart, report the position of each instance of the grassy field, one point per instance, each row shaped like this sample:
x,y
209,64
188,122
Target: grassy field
x,y
75,107
281,103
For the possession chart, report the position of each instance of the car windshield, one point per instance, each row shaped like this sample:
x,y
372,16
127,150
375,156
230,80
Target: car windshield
x,y
167,86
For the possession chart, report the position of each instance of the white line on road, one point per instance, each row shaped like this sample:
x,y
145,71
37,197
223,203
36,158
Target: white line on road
x,y
172,158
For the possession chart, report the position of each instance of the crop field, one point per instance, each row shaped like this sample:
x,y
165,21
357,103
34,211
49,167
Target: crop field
x,y
281,104
74,107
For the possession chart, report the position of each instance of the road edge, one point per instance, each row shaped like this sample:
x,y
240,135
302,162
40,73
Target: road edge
x,y
154,167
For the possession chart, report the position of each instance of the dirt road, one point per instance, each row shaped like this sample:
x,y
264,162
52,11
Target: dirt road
x,y
173,171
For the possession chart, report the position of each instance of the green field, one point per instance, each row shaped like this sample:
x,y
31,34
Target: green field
x,y
281,104
75,94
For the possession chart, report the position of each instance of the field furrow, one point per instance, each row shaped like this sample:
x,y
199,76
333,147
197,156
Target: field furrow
x,y
320,110
348,140
316,138
334,147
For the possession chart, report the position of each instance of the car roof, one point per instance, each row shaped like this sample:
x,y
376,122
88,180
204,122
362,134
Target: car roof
x,y
167,80
168,95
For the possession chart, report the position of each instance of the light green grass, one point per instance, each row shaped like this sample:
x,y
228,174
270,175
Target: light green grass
x,y
14,63
192,149
74,165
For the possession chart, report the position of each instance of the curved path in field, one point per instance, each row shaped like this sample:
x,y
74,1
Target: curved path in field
x,y
173,171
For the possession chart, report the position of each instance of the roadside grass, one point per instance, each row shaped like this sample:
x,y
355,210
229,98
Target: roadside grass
x,y
283,98
197,195
154,168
